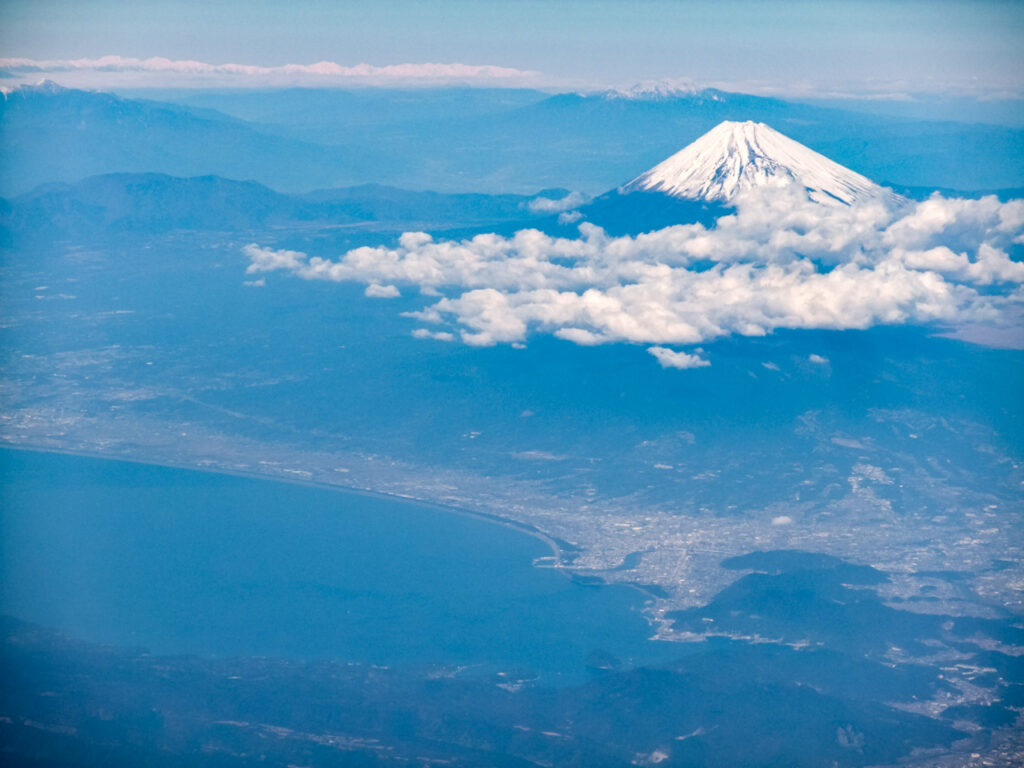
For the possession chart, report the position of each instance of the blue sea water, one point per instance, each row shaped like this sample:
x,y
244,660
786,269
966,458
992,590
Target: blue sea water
x,y
180,561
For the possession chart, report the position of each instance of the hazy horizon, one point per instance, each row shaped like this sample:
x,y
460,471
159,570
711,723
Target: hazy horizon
x,y
796,48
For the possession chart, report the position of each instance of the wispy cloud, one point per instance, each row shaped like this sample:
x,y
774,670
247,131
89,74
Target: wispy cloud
x,y
670,358
567,203
377,291
779,262
156,70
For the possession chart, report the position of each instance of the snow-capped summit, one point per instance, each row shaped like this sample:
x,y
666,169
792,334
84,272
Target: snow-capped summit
x,y
652,90
734,157
44,86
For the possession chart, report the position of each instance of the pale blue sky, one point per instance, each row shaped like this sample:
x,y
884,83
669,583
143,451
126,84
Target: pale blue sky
x,y
865,45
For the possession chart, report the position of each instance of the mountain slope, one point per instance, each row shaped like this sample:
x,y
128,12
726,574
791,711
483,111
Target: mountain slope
x,y
151,203
735,157
53,134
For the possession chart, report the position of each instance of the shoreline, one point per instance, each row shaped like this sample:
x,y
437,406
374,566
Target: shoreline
x,y
650,597
556,550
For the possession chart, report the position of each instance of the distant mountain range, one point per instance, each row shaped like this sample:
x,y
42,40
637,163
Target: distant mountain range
x,y
459,140
52,134
699,183
111,204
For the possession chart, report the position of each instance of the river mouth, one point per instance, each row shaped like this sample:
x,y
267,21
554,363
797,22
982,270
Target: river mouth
x,y
186,562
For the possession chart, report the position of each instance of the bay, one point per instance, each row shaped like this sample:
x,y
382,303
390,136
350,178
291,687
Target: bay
x,y
188,562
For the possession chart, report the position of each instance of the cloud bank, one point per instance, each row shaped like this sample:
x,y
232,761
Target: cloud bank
x,y
121,70
779,262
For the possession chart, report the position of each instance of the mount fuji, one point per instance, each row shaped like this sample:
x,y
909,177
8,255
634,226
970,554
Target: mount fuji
x,y
735,157
705,179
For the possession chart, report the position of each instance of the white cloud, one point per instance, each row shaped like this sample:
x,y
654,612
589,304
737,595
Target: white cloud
x,y
669,358
426,333
779,262
377,291
266,260
547,205
782,520
156,70
818,359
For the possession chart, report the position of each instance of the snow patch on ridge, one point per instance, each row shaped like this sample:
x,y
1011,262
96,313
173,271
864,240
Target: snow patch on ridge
x,y
653,90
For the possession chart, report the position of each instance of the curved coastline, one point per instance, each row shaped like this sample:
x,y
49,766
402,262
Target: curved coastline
x,y
385,606
558,548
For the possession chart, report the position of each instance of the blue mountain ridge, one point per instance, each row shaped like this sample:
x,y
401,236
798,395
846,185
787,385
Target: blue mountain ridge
x,y
453,140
